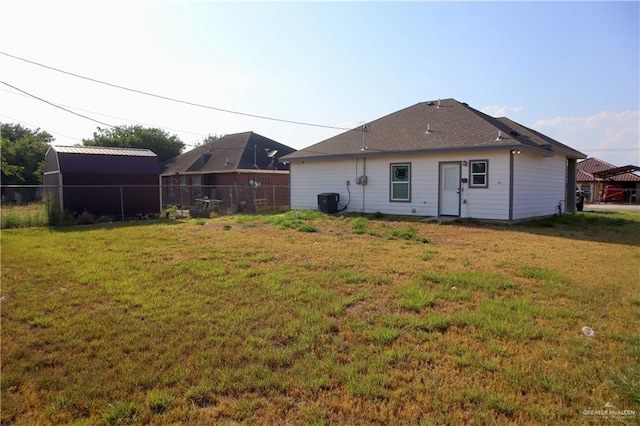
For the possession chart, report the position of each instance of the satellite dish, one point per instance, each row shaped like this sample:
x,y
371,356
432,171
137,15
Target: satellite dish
x,y
272,153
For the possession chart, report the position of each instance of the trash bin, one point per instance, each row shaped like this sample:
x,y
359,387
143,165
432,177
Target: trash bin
x,y
328,202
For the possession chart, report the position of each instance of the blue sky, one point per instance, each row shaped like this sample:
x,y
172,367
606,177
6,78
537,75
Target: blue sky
x,y
570,70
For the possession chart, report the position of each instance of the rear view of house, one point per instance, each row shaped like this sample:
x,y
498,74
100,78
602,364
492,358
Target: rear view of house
x,y
117,182
439,158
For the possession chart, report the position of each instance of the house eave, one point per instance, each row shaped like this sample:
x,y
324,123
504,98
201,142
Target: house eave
x,y
371,152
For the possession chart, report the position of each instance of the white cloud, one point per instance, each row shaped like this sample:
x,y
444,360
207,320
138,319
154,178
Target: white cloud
x,y
500,111
610,136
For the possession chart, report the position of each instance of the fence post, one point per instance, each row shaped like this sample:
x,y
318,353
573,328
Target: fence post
x,y
121,203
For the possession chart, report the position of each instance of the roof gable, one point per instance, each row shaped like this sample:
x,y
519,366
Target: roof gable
x,y
435,126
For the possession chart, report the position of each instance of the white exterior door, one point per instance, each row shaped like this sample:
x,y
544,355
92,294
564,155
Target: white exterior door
x,y
450,189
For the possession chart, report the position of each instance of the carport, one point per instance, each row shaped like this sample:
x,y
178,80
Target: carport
x,y
630,189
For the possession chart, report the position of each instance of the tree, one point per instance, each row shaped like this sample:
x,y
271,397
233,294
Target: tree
x,y
22,152
165,146
210,138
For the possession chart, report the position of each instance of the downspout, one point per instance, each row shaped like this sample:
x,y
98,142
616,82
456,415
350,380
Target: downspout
x,y
365,129
570,197
364,173
511,161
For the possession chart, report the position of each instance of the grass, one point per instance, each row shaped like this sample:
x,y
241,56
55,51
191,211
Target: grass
x,y
252,319
23,215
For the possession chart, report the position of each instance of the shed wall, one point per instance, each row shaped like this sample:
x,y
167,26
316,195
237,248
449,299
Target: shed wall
x,y
106,194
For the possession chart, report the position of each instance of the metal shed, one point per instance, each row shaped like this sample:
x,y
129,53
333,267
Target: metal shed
x,y
118,182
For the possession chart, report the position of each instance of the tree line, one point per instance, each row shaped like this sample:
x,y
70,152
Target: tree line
x,y
22,150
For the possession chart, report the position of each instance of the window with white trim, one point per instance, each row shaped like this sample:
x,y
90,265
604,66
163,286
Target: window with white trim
x,y
479,173
400,182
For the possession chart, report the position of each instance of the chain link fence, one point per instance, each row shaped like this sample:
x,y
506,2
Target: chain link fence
x,y
227,199
128,202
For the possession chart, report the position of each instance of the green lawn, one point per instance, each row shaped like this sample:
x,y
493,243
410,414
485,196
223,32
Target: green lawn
x,y
309,319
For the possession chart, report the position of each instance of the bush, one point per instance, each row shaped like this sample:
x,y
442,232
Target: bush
x,y
85,218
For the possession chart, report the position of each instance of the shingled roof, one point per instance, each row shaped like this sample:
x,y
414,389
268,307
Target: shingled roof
x,y
229,153
453,126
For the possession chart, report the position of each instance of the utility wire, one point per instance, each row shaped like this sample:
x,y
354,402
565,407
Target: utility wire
x,y
40,127
57,106
113,116
302,123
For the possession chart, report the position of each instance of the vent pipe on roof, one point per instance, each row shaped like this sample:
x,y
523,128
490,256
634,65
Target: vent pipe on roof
x,y
365,129
255,156
499,136
438,107
428,130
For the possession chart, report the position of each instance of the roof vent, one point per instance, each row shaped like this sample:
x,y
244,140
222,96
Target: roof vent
x,y
428,130
365,129
499,138
226,163
438,107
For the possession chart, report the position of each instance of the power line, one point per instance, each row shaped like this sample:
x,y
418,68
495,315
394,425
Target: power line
x,y
57,106
113,116
117,86
40,127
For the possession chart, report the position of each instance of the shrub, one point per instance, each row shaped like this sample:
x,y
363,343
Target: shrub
x,y
86,218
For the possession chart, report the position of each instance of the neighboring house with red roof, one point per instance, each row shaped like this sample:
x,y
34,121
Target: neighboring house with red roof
x,y
439,158
116,182
235,170
593,174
